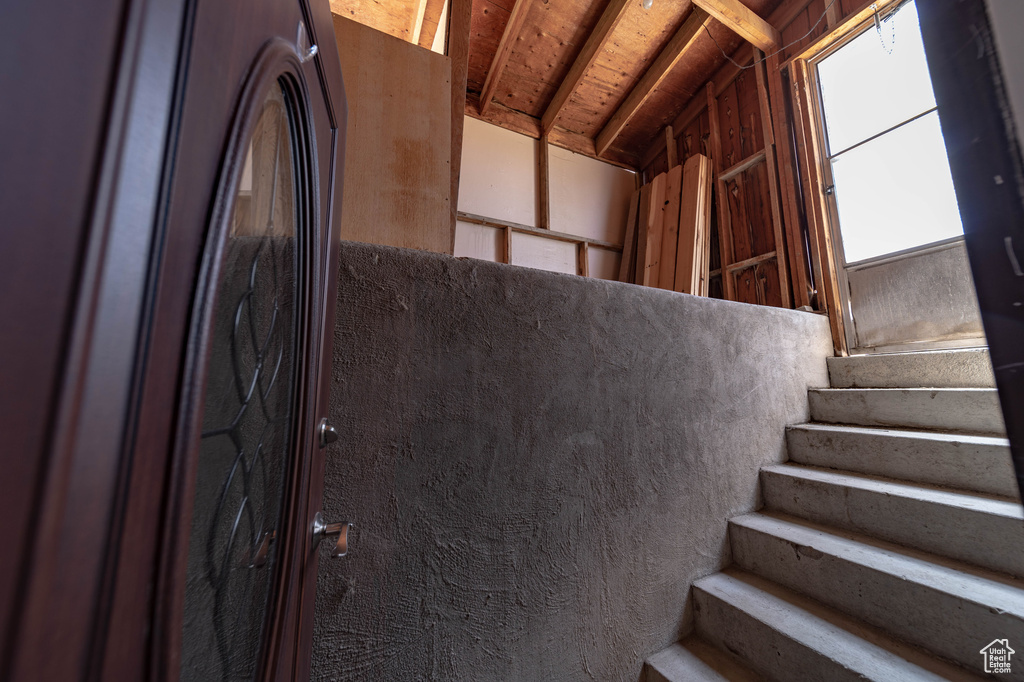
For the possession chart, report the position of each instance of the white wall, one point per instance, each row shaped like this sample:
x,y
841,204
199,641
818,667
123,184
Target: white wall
x,y
588,197
498,177
499,180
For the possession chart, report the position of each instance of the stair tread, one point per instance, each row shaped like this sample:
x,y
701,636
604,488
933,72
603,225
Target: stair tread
x,y
959,580
968,410
956,461
847,642
980,502
907,433
968,367
909,389
694,660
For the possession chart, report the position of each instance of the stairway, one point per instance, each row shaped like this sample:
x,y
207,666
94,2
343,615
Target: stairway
x,y
890,546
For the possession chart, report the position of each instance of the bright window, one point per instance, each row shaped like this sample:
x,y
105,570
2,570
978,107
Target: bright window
x,y
892,183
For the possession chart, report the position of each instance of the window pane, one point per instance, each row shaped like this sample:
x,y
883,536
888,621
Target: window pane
x,y
865,90
896,192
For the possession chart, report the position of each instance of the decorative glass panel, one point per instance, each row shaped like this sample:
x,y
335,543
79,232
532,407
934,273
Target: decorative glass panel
x,y
247,410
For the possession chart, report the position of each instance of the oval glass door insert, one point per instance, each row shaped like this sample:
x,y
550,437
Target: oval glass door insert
x,y
247,408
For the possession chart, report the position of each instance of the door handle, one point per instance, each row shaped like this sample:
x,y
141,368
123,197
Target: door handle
x,y
337,531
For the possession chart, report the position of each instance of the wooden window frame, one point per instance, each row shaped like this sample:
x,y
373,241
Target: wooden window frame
x,y
812,157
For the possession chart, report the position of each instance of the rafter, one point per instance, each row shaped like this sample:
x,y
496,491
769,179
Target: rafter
x,y
744,22
431,21
784,15
508,41
669,57
613,14
417,21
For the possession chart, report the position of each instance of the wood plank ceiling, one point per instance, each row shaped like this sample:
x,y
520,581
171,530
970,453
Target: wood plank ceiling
x,y
601,77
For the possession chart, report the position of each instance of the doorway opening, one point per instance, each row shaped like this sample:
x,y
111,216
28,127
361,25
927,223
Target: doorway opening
x,y
898,245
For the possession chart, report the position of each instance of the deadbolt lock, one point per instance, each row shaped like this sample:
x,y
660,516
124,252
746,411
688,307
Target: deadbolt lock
x,y
328,434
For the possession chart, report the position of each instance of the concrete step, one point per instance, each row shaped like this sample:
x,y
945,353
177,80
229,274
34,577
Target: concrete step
x,y
976,529
972,410
947,608
786,636
694,660
962,368
965,462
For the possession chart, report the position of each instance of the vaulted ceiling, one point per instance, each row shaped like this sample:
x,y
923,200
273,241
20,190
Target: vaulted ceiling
x,y
602,77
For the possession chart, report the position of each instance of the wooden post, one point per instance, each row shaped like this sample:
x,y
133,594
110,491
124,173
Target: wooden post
x,y
508,245
670,147
773,174
460,15
724,232
583,260
544,175
833,16
814,197
789,190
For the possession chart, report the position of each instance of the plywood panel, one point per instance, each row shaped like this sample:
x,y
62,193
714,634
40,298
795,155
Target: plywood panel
x,y
603,264
543,254
398,142
589,198
479,241
552,37
486,26
395,17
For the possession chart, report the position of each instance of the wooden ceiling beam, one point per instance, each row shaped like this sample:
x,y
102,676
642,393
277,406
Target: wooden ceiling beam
x,y
744,22
524,124
669,57
611,17
417,21
504,51
784,15
431,22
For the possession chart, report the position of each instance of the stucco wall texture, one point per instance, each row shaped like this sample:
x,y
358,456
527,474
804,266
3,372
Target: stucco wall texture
x,y
538,465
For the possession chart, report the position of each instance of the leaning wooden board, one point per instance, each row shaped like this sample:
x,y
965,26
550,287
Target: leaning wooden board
x,y
693,255
652,213
670,228
628,262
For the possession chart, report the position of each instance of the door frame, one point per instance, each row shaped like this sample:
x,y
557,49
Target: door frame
x,y
825,244
985,157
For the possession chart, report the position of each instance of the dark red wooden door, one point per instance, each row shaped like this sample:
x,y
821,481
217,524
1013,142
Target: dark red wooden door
x,y
133,197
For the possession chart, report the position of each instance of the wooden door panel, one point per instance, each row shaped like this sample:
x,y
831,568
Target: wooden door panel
x,y
111,184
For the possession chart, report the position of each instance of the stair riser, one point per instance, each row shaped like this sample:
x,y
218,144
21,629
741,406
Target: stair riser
x,y
950,369
654,676
676,663
975,411
947,625
960,464
983,539
768,651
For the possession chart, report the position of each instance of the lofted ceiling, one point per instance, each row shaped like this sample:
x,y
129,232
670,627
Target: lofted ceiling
x,y
601,77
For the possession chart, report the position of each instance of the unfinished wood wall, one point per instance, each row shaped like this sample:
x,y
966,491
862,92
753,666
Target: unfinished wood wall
x,y
398,143
751,229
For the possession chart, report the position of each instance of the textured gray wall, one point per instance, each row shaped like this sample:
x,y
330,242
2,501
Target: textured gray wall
x,y
539,465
